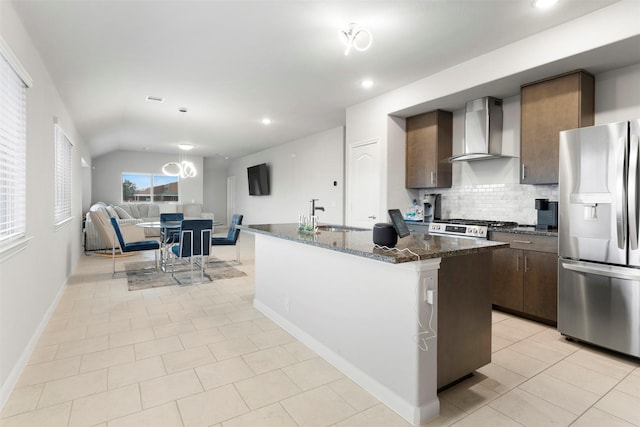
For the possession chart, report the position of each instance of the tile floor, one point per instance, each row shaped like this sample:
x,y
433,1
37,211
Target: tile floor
x,y
202,356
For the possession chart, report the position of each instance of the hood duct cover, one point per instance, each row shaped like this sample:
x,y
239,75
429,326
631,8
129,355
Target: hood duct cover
x,y
482,131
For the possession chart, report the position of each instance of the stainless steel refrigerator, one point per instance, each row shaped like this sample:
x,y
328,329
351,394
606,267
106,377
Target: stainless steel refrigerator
x,y
599,264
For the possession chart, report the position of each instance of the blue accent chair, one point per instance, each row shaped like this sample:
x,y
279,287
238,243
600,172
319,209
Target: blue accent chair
x,y
195,239
232,236
143,245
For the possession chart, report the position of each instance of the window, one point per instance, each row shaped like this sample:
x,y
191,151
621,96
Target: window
x,y
13,147
139,187
63,176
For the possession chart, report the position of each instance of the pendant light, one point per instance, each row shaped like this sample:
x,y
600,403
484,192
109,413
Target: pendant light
x,y
182,168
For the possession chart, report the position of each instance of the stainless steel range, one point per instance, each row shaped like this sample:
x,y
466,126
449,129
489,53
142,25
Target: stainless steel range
x,y
467,228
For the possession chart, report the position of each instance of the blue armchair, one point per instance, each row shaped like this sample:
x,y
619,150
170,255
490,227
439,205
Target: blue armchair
x,y
195,238
143,245
232,236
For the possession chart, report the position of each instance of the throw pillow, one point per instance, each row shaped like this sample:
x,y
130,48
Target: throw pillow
x,y
123,214
134,210
143,209
154,211
112,212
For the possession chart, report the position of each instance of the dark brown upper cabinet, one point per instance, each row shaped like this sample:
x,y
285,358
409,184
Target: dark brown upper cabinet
x,y
548,107
429,141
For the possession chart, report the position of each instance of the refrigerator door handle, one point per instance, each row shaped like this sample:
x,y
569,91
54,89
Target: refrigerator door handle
x,y
621,206
633,193
603,270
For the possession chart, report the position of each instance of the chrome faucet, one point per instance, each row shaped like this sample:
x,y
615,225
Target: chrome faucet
x,y
315,208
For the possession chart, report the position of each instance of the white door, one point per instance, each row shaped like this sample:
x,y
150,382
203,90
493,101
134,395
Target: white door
x,y
231,197
363,197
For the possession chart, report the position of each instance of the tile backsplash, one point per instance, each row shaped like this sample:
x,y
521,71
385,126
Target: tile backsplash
x,y
501,202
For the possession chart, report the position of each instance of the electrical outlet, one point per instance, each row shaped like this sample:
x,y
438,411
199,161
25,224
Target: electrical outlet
x,y
429,297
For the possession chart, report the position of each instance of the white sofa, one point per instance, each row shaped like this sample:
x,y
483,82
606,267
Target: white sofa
x,y
135,213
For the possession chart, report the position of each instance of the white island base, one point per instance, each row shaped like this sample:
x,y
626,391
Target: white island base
x,y
374,321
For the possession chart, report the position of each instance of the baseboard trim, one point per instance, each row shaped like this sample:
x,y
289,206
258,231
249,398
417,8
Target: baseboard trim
x,y
414,415
8,386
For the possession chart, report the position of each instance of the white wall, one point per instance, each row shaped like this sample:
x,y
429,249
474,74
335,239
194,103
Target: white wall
x,y
299,171
108,169
31,281
215,187
617,98
618,95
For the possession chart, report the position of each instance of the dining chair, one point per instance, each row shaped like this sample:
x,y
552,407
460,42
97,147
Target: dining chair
x,y
232,236
195,238
169,236
141,245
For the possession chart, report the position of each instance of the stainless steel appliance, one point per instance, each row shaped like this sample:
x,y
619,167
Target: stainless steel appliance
x,y
599,264
482,131
467,228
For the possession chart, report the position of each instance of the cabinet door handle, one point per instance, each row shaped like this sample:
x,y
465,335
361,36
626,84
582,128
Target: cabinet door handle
x,y
433,177
517,263
523,172
526,242
526,266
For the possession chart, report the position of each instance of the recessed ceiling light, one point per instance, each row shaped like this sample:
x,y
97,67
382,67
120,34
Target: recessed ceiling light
x,y
266,121
543,4
155,98
366,83
185,146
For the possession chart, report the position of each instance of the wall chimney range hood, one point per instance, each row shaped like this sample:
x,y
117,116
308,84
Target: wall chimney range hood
x,y
482,131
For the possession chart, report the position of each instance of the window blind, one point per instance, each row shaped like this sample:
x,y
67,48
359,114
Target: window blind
x,y
13,149
63,175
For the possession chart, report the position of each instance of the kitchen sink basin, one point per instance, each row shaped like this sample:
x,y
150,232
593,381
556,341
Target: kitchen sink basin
x,y
330,227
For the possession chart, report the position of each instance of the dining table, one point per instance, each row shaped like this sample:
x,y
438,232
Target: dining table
x,y
167,229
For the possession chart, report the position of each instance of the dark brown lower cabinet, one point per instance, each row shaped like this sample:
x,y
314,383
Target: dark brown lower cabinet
x,y
525,281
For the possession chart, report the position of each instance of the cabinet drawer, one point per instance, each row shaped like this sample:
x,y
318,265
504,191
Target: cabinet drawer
x,y
527,241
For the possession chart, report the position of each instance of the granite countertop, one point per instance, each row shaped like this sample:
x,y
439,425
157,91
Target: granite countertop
x,y
360,243
527,229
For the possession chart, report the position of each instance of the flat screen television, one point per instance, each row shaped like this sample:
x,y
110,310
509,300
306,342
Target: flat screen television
x,y
258,176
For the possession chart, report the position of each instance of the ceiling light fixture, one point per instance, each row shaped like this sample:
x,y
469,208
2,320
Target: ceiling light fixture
x,y
366,84
182,168
266,121
349,36
544,4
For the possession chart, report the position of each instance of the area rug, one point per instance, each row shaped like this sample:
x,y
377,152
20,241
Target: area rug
x,y
143,275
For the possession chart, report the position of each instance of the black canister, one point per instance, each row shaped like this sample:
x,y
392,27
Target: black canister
x,y
384,234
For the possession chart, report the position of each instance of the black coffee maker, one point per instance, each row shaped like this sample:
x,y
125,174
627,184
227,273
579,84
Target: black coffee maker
x,y
547,214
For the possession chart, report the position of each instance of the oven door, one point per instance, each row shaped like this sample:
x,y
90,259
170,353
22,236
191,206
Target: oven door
x,y
600,304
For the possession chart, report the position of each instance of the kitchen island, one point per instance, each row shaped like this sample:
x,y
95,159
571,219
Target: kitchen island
x,y
372,312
